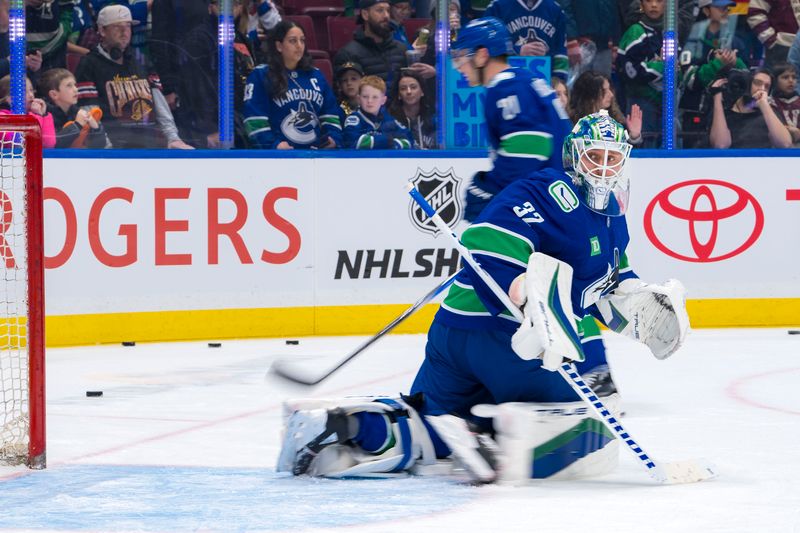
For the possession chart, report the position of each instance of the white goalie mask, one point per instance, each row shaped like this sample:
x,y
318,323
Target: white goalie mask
x,y
595,154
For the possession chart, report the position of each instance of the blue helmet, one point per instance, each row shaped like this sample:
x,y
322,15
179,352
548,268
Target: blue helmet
x,y
486,32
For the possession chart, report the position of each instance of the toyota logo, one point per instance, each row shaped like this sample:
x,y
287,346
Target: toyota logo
x,y
722,219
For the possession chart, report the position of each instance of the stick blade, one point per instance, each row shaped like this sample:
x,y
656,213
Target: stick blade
x,y
688,471
291,372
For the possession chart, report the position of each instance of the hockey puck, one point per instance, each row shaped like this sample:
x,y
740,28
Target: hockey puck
x,y
794,332
93,393
128,343
294,343
214,344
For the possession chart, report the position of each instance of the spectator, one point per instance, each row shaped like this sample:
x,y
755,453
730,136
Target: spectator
x,y
714,49
596,22
641,68
562,91
135,111
632,12
794,56
785,100
288,103
411,109
75,127
399,12
34,107
372,46
591,93
749,122
537,29
48,24
775,23
371,127
348,76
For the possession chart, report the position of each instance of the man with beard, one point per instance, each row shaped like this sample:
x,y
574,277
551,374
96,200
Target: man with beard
x,y
372,46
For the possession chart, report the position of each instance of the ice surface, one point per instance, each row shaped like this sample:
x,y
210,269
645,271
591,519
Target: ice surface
x,y
185,438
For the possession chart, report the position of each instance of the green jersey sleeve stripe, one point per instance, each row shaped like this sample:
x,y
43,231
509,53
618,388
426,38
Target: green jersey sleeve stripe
x,y
498,242
463,300
527,144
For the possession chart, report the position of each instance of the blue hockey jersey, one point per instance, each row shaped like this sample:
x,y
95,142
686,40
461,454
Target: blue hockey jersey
x,y
363,130
526,126
304,116
535,21
540,213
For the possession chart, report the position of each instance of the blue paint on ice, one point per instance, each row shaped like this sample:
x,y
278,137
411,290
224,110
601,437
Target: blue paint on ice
x,y
177,499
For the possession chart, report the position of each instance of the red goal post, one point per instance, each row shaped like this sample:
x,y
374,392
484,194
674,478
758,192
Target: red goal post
x,y
22,362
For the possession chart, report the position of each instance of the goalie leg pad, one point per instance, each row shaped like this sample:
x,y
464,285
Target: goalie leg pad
x,y
551,440
476,453
318,438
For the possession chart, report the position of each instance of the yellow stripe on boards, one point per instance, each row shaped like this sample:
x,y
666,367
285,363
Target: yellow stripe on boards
x,y
72,330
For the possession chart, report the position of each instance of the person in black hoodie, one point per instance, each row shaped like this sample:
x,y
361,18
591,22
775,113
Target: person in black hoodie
x,y
410,107
373,46
75,127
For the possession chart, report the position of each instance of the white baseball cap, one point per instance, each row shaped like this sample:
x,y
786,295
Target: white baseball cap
x,y
114,14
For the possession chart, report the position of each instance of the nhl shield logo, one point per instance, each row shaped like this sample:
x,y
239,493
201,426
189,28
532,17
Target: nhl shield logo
x,y
441,190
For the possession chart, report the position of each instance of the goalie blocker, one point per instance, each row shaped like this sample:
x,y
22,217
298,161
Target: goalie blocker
x,y
385,437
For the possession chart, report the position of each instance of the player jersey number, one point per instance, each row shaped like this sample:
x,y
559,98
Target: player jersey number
x,y
528,213
509,106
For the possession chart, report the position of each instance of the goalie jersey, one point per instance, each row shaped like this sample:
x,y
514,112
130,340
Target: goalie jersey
x,y
526,126
539,213
304,116
531,21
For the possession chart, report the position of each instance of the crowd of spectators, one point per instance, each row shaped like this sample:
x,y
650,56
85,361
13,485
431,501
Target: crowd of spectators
x,y
143,73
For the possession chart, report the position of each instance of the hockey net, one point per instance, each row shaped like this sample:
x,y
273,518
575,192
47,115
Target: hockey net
x,y
22,409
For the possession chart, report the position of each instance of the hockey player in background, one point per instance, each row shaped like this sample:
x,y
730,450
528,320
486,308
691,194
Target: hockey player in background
x,y
556,233
525,121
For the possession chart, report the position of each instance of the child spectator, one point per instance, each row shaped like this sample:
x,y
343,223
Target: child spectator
x,y
641,67
785,100
288,103
749,122
75,127
370,127
348,76
34,107
410,107
399,12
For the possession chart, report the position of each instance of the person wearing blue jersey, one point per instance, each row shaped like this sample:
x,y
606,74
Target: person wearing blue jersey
x,y
525,121
371,126
556,242
537,28
288,103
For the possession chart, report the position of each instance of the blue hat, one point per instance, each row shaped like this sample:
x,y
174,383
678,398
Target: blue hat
x,y
486,32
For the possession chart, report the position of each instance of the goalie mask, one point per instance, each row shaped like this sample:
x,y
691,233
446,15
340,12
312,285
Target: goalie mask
x,y
595,154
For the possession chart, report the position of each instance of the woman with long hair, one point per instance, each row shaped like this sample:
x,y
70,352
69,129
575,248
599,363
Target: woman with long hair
x,y
592,92
288,102
409,106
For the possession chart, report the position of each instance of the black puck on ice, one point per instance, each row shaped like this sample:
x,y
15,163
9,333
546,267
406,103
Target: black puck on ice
x,y
292,342
128,343
93,393
794,332
214,344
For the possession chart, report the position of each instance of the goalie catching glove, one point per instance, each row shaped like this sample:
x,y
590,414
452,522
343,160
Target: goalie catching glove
x,y
548,331
654,315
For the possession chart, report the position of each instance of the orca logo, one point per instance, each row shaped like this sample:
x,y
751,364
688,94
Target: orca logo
x,y
441,190
711,213
300,126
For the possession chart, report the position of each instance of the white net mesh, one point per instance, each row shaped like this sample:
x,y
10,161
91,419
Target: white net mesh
x,y
14,397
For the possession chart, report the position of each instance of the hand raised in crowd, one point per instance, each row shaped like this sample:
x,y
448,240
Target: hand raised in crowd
x,y
82,117
423,69
38,106
283,145
716,84
726,57
179,145
33,61
761,98
536,48
634,122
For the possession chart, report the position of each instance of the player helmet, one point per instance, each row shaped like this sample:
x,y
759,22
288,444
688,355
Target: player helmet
x,y
486,32
595,154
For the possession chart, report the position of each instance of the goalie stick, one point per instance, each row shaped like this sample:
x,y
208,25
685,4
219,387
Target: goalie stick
x,y
282,368
689,471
